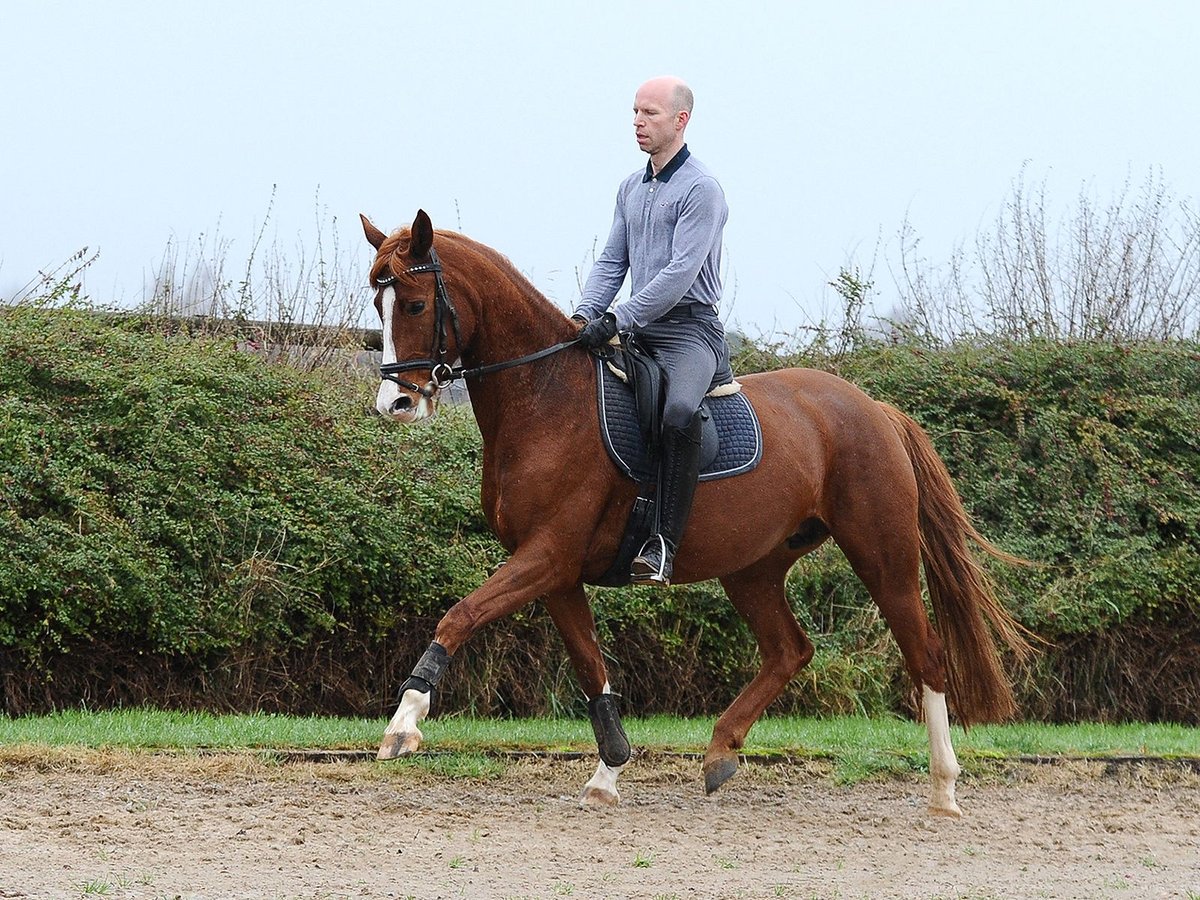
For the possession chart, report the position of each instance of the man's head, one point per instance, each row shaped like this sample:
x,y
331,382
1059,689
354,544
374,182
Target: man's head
x,y
661,110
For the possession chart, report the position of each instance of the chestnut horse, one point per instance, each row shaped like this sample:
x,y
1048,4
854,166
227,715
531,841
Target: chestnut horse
x,y
835,464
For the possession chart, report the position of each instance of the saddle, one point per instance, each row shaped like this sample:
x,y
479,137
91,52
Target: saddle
x,y
630,385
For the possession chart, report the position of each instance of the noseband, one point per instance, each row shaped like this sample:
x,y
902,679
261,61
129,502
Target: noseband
x,y
441,373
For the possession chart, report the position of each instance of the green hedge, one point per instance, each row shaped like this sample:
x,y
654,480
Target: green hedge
x,y
1086,459
183,521
185,524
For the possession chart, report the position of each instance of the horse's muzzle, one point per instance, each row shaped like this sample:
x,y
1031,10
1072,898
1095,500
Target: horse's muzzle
x,y
403,406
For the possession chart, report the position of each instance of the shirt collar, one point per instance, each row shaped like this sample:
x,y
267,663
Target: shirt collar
x,y
670,168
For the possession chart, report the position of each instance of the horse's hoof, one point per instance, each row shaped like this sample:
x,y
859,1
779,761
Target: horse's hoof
x,y
718,772
593,796
948,811
395,745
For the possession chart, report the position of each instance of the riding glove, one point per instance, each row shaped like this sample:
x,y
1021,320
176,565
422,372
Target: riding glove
x,y
599,331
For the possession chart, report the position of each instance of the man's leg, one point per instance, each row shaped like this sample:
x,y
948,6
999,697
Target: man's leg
x,y
687,355
678,472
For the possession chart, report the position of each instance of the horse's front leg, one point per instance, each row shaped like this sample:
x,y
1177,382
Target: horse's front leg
x,y
573,618
530,573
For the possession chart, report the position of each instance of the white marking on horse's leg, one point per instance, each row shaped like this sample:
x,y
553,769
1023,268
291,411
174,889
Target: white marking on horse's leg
x,y
943,764
601,789
402,736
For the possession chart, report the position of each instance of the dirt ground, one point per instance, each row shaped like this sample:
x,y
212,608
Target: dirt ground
x,y
151,826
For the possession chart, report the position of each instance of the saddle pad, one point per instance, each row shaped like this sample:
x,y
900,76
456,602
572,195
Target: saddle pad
x,y
737,426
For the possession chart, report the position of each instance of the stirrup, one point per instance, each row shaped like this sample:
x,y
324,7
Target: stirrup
x,y
653,565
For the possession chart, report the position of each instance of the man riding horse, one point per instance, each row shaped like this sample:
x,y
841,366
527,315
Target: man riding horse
x,y
666,234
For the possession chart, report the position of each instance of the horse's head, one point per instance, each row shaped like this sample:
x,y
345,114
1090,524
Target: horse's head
x,y
420,325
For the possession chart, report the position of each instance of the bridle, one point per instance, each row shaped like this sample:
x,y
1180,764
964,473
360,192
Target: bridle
x,y
441,373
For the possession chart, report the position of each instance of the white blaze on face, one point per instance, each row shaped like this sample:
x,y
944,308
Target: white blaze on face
x,y
389,392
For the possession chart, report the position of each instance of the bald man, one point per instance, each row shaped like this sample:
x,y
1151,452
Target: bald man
x,y
666,235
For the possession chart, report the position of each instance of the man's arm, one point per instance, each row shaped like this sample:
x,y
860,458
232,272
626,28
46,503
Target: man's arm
x,y
608,272
699,224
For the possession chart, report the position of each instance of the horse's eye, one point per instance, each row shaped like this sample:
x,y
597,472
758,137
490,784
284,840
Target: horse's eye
x,y
416,307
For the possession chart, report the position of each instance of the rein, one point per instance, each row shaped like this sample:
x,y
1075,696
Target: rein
x,y
442,373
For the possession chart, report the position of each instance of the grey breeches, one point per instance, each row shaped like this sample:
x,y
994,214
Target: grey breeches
x,y
692,351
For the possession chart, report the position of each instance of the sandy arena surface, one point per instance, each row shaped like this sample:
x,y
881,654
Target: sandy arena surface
x,y
126,826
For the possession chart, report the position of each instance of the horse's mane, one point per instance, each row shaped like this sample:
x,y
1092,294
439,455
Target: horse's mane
x,y
394,252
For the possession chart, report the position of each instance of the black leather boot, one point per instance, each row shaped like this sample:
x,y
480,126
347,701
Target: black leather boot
x,y
679,469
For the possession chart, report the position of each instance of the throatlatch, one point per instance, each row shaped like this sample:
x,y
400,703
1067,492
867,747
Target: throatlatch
x,y
428,670
610,736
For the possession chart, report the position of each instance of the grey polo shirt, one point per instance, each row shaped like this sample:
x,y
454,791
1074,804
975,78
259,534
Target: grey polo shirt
x,y
666,234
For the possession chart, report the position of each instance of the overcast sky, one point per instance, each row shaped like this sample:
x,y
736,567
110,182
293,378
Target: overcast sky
x,y
127,124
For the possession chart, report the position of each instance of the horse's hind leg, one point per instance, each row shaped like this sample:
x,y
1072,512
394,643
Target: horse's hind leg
x,y
758,595
887,559
573,618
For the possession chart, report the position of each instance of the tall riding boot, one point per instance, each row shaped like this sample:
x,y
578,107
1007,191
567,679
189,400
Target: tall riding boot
x,y
679,469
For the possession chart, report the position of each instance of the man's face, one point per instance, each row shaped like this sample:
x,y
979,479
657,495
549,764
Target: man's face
x,y
655,121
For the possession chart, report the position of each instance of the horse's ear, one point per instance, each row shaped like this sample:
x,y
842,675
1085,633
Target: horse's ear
x,y
374,236
422,236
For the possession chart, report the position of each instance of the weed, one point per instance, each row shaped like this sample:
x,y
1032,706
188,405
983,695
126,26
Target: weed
x,y
642,860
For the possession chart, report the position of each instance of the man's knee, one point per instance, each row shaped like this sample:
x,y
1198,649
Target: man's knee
x,y
677,415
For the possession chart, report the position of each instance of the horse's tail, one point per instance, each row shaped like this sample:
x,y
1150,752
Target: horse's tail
x,y
967,614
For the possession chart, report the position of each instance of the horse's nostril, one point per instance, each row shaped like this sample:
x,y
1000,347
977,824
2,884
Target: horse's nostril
x,y
401,403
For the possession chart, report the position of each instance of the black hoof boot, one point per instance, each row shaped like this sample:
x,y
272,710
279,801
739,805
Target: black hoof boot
x,y
611,741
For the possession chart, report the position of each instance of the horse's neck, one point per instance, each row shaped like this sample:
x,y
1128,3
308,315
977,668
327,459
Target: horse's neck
x,y
529,395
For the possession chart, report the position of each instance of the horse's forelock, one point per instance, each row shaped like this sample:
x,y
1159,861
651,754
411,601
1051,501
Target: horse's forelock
x,y
392,252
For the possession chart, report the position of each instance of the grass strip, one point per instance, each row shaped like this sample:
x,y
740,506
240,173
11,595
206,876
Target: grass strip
x,y
773,736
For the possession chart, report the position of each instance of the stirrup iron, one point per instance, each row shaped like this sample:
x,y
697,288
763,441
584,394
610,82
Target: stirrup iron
x,y
653,564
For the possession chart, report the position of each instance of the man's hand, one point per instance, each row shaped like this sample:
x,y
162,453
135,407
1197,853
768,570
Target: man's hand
x,y
598,331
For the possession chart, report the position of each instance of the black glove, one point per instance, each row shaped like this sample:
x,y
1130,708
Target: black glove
x,y
599,331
